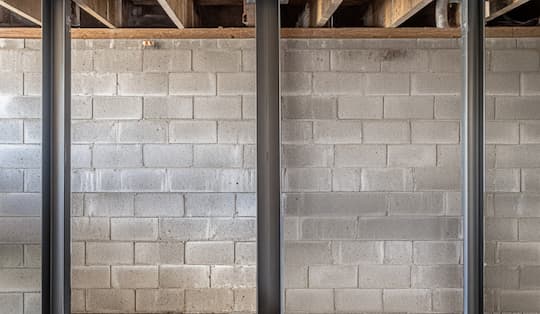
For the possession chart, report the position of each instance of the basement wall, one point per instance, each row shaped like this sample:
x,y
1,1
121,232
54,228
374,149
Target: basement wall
x,y
164,176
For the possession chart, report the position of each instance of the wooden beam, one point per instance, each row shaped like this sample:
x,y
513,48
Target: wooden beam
x,y
392,13
108,12
181,12
501,7
318,12
298,33
28,9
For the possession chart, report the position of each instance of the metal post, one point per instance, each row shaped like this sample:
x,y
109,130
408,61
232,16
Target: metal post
x,y
56,168
473,156
269,257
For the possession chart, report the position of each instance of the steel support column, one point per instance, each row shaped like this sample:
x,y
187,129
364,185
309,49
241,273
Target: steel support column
x,y
473,156
56,169
269,224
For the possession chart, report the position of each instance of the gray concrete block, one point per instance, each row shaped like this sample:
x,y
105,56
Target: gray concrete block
x,y
358,107
171,107
184,276
134,229
397,228
386,132
193,132
333,276
110,300
337,132
117,108
360,156
210,204
144,84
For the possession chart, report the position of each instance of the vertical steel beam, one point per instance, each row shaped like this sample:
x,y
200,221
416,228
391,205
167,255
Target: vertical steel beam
x,y
473,156
56,168
269,224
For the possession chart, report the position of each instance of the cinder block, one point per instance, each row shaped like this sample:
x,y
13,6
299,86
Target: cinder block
x,y
409,300
307,180
439,276
210,253
246,204
529,229
358,107
237,132
519,300
20,107
193,132
245,299
307,156
233,277
448,107
165,60
236,83
518,253
117,108
108,60
212,180
355,60
210,204
502,132
11,180
448,300
142,131
501,229
145,84
295,276
159,204
90,228
157,253
11,131
93,131
134,229
360,155
245,253
503,180
502,83
296,131
435,83
184,229
184,276
436,179
11,84
386,179
160,300
505,277
328,229
514,60
404,60
309,107
517,108
335,204
12,303
32,255
110,300
530,132
338,83
108,204
307,253
435,132
445,60
309,300
237,229
172,107
397,252
117,156
387,84
218,108
134,276
416,203
20,156
109,253
517,156
20,230
411,107
516,205
20,280
81,61
306,60
337,132
93,84
222,60
411,155
384,276
530,83
218,156
387,132
167,155
431,252
91,277
333,276
352,300
11,255
32,84
398,228
81,156
346,180
209,300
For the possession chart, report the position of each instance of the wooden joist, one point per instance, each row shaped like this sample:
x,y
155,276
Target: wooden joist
x,y
318,12
392,13
28,9
181,12
501,7
108,12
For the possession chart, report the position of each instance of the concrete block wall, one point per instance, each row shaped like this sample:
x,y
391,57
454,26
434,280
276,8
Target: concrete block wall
x,y
164,176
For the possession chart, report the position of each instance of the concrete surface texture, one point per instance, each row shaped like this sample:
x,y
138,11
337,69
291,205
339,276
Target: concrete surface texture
x,y
164,176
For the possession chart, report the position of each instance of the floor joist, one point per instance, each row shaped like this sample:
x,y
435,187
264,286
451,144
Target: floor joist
x,y
391,13
28,9
108,12
498,7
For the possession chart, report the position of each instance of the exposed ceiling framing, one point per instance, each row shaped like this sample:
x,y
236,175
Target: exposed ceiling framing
x,y
182,14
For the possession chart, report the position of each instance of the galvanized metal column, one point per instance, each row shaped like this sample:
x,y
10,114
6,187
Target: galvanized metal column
x,y
473,156
269,257
56,168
